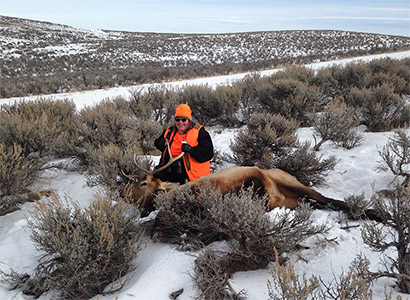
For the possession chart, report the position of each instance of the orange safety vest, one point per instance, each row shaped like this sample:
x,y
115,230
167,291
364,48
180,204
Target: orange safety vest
x,y
193,168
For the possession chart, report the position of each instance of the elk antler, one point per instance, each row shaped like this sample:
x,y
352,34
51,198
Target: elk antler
x,y
170,162
139,167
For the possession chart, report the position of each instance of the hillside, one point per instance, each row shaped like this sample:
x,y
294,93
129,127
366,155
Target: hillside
x,y
41,57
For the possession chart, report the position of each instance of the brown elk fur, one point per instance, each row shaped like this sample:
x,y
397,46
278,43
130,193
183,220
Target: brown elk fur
x,y
281,188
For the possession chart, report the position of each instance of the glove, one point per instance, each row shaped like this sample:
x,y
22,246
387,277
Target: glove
x,y
186,148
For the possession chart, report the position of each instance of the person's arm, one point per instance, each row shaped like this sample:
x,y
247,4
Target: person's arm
x,y
204,151
160,142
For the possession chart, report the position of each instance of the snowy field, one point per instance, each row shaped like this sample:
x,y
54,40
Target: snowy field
x,y
161,269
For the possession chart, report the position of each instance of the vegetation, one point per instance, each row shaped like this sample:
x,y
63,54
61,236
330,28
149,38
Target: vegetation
x,y
85,251
267,110
47,58
393,233
265,134
44,127
303,163
197,219
17,172
353,285
286,284
336,123
396,156
394,206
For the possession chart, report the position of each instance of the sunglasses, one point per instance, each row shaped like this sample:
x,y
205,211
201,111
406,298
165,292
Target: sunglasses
x,y
181,120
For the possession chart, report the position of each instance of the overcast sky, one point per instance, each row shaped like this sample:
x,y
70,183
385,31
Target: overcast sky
x,y
218,16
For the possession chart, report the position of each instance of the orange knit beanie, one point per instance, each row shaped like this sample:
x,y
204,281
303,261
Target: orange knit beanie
x,y
183,110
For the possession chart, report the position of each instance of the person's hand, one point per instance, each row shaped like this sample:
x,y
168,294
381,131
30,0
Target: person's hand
x,y
163,143
186,148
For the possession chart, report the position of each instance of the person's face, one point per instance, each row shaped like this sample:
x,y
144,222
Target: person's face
x,y
182,124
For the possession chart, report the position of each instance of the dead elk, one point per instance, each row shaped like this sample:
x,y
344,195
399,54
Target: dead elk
x,y
143,192
281,188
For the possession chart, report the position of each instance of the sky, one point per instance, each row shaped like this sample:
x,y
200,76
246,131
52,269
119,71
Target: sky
x,y
218,16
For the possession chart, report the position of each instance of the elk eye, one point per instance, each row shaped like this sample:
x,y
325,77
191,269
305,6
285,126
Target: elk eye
x,y
143,184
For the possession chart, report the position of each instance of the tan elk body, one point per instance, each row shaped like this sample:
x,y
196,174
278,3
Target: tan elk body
x,y
281,188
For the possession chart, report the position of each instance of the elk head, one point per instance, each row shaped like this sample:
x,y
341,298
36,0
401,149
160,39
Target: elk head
x,y
142,193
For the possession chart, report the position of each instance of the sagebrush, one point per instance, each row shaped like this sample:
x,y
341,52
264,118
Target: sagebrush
x,y
85,252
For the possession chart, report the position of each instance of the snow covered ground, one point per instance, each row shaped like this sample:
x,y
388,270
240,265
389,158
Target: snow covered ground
x,y
162,269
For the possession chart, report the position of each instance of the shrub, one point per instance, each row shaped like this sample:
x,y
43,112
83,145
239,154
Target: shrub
x,y
352,139
298,72
164,102
17,172
43,126
394,72
85,251
266,134
403,71
147,131
156,102
211,106
248,101
286,284
326,82
336,123
108,162
357,206
357,98
355,285
212,280
399,83
194,219
393,233
110,122
289,97
382,109
386,110
303,163
33,135
105,123
202,100
352,75
396,156
228,105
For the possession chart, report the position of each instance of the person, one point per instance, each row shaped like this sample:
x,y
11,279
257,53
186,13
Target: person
x,y
191,138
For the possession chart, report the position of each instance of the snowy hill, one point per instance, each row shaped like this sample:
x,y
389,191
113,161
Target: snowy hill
x,y
59,58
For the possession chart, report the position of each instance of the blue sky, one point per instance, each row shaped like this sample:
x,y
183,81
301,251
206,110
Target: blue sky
x,y
218,16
